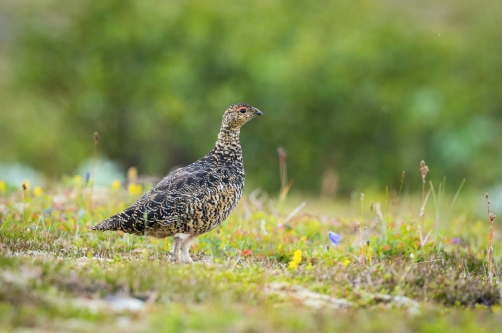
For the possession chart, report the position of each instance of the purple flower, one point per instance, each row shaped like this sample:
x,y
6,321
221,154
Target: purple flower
x,y
87,177
334,238
455,240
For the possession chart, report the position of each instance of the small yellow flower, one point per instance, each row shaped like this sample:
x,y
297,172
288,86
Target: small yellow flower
x,y
116,185
297,256
26,183
346,262
3,186
37,191
134,189
77,180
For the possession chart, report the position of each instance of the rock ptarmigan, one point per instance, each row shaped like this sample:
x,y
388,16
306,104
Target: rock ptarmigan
x,y
195,199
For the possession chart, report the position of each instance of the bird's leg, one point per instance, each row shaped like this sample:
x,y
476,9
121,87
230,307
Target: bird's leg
x,y
185,246
175,249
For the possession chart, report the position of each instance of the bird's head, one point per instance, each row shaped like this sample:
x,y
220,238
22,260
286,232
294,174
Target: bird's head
x,y
238,114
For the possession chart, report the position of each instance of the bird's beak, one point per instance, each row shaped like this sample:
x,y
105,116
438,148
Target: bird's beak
x,y
258,113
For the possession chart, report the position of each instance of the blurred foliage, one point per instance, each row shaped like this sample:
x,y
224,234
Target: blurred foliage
x,y
360,90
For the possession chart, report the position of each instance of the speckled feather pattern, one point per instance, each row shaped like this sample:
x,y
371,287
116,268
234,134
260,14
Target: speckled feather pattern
x,y
197,198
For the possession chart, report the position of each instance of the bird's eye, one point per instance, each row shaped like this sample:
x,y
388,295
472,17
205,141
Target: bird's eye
x,y
243,110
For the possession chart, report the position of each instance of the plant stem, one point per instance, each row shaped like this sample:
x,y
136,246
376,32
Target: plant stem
x,y
491,218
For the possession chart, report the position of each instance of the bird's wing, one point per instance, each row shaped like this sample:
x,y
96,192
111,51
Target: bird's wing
x,y
164,203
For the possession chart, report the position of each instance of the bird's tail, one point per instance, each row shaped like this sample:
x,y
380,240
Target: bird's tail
x,y
125,221
111,223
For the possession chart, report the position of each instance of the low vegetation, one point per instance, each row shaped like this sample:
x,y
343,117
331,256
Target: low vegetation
x,y
395,266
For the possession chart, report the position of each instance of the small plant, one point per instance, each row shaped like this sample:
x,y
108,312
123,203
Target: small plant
x,y
334,238
297,259
94,160
491,218
283,173
94,155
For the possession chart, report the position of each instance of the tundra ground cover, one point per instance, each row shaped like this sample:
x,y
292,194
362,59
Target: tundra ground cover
x,y
392,265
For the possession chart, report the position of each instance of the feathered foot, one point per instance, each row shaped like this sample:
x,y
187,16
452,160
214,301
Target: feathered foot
x,y
179,250
185,246
175,249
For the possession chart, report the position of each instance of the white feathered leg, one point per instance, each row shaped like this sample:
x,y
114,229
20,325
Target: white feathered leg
x,y
185,247
175,249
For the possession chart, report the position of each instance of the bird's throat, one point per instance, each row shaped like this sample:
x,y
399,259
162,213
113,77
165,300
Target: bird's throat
x,y
228,142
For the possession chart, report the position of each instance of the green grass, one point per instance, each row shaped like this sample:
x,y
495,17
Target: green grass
x,y
389,274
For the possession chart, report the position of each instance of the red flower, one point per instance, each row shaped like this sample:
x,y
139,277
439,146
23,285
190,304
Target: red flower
x,y
247,252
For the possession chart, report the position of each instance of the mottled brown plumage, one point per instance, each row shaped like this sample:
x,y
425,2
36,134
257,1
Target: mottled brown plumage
x,y
195,199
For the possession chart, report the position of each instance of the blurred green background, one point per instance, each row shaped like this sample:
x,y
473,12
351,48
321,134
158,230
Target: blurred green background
x,y
355,91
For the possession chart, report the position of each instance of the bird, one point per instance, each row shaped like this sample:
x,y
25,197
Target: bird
x,y
195,199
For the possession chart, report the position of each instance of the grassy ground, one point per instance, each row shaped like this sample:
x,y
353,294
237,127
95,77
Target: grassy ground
x,y
263,270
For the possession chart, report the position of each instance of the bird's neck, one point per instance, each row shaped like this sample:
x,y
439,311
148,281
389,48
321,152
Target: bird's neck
x,y
228,142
